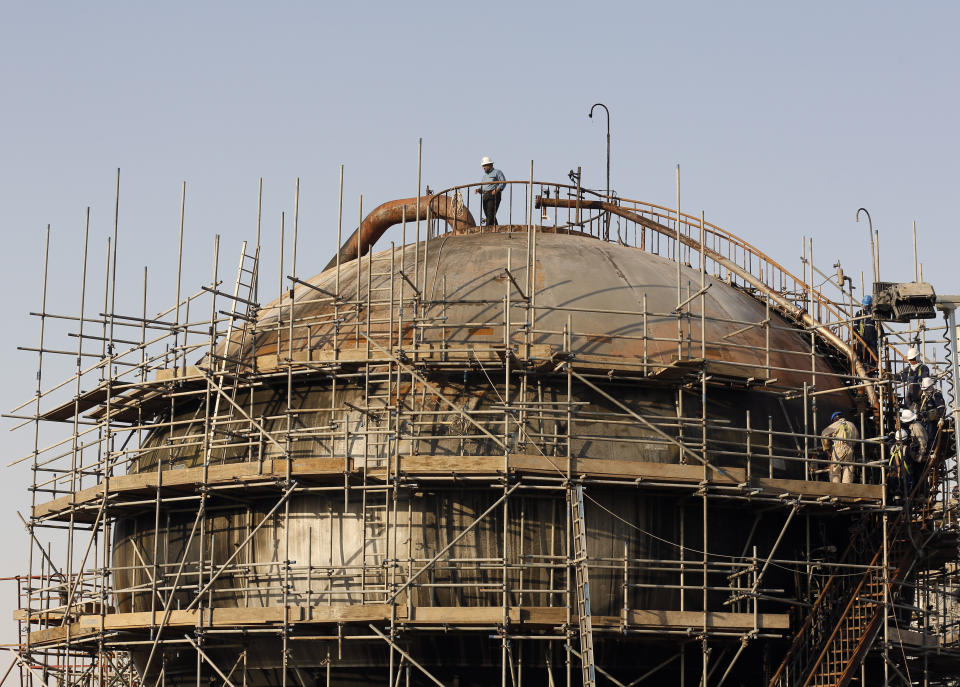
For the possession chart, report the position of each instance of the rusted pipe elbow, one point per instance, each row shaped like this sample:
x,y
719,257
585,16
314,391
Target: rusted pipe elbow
x,y
451,210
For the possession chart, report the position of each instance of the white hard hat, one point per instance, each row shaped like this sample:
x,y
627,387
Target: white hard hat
x,y
486,161
907,415
912,353
901,434
926,383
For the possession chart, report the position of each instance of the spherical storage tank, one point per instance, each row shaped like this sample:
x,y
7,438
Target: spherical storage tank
x,y
594,287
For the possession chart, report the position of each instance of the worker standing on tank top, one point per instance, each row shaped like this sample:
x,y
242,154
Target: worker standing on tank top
x,y
491,191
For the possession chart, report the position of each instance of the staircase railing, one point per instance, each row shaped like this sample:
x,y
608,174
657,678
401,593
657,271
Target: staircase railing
x,y
828,648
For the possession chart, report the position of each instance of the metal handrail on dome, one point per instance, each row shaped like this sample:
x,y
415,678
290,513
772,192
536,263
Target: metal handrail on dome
x,y
828,312
589,212
584,222
745,255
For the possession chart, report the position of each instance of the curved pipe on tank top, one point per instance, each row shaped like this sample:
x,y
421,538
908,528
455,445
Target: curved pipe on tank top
x,y
381,218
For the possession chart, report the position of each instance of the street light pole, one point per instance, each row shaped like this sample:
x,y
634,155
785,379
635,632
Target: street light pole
x,y
590,115
873,249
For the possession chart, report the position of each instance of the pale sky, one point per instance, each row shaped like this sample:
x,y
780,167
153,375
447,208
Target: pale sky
x,y
784,118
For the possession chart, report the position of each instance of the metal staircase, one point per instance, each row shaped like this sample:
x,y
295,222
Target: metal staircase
x,y
583,587
847,616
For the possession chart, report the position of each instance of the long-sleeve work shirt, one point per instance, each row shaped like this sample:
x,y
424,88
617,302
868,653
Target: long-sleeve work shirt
x,y
912,374
835,433
489,178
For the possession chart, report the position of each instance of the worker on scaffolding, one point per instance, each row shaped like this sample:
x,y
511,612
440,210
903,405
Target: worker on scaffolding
x,y
930,408
899,478
491,191
917,437
911,376
837,440
868,331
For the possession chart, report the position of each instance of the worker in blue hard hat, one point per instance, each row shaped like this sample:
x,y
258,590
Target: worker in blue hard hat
x,y
491,191
867,331
837,441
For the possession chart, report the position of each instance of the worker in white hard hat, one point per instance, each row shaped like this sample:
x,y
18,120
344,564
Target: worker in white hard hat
x,y
899,479
491,191
835,439
911,376
931,407
917,434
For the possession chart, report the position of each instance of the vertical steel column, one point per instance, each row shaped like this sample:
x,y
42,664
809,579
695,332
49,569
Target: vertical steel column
x,y
36,430
703,297
676,255
336,289
358,266
116,230
426,233
176,318
646,369
705,647
416,254
532,290
504,595
296,218
579,171
209,438
568,530
108,434
806,431
256,281
76,454
876,235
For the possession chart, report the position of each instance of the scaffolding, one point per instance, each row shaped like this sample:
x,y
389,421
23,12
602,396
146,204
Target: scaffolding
x,y
184,438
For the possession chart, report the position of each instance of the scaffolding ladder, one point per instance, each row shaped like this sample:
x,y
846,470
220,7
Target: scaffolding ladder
x,y
583,587
241,319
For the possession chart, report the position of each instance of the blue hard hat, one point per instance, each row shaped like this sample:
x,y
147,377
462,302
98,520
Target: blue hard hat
x,y
867,301
836,415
